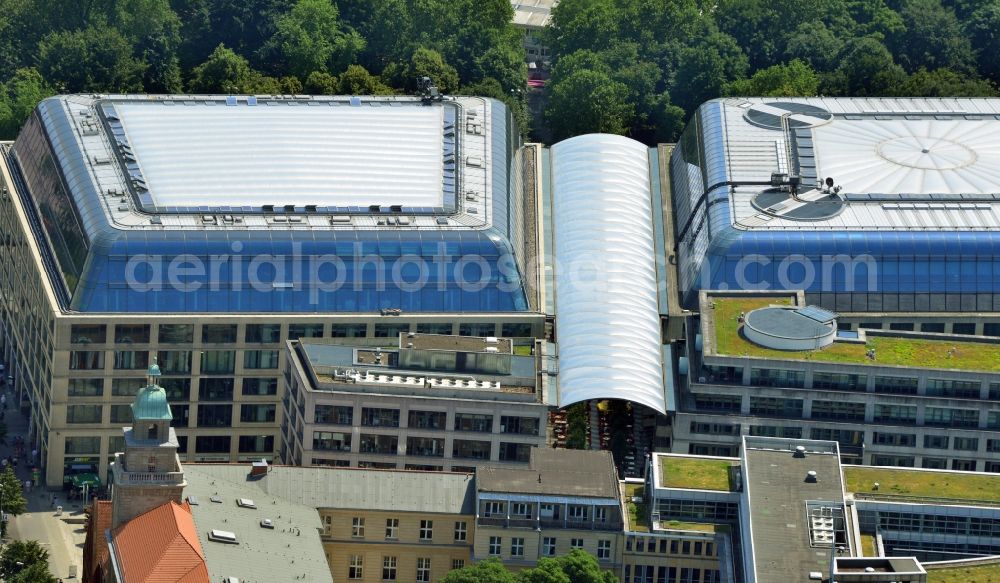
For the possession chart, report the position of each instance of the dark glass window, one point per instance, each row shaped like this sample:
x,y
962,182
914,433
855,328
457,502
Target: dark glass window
x,y
260,359
177,388
380,444
132,334
434,328
83,414
334,414
374,417
515,452
256,443
127,387
260,386
967,328
86,387
88,333
212,443
181,414
349,330
331,441
215,389
257,413
473,422
215,415
121,414
131,360
174,361
218,333
176,333
933,327
296,331
521,425
467,449
516,330
263,333
427,419
425,446
86,360
474,329
83,445
390,330
218,361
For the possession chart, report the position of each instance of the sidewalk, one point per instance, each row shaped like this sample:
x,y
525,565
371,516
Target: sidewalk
x,y
64,535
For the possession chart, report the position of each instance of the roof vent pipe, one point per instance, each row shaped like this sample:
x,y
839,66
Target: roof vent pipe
x,y
800,451
811,476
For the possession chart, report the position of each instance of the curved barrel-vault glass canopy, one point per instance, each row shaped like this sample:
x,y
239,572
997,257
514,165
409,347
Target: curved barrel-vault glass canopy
x,y
605,278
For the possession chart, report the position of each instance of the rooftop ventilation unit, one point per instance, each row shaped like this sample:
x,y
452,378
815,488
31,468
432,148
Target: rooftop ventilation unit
x,y
222,536
245,503
267,523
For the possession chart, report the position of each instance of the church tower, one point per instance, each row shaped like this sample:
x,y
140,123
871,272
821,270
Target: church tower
x,y
149,473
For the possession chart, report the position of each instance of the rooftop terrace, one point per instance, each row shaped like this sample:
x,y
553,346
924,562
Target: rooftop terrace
x,y
721,319
696,473
978,574
940,486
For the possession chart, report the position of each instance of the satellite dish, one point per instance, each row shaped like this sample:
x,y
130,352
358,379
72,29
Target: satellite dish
x,y
829,181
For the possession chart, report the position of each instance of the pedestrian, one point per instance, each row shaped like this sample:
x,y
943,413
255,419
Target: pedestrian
x,y
52,501
27,485
34,455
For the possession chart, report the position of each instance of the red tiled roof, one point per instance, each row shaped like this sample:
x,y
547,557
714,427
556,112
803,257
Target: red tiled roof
x,y
95,548
161,546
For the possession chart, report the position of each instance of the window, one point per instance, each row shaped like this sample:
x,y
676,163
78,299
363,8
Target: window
x,y
895,439
215,389
516,547
334,414
125,387
380,444
390,330
263,333
433,328
426,530
717,403
774,407
477,329
603,550
121,414
515,452
838,410
374,417
494,549
772,431
86,387
218,361
88,333
577,512
212,443
83,414
177,389
896,385
936,441
176,333
576,543
349,330
461,531
174,361
473,422
427,419
330,441
181,415
519,425
84,445
951,417
966,443
131,360
905,326
256,443
953,388
215,415
458,564
388,568
896,414
933,327
260,359
993,445
769,377
86,360
358,526
836,381
218,333
132,334
495,508
465,449
356,567
967,328
391,528
256,387
257,413
516,330
549,546
600,514
423,569
520,510
425,446
296,331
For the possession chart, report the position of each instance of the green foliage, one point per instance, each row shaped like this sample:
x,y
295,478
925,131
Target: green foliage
x,y
576,567
945,83
93,59
11,494
18,97
588,101
27,553
310,37
35,573
223,72
796,79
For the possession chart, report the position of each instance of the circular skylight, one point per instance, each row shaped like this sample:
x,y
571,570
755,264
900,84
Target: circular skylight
x,y
926,153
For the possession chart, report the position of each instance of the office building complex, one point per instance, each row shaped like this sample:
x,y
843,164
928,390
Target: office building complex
x,y
434,402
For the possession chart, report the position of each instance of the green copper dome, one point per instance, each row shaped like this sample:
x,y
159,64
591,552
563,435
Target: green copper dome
x,y
151,405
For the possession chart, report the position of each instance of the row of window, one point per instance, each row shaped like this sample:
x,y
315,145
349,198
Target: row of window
x,y
963,328
91,444
548,547
176,361
935,463
460,533
934,441
380,417
178,389
271,333
546,511
675,547
654,574
208,415
890,414
419,446
356,568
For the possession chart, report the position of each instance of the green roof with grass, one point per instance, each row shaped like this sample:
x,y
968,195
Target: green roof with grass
x,y
638,512
890,351
978,574
695,473
941,486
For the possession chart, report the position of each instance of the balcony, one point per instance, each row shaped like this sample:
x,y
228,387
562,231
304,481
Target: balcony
x,y
124,477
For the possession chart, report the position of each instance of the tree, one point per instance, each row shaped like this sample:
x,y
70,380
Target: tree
x,y
94,59
20,555
310,37
588,101
582,567
18,98
356,80
705,68
983,29
424,62
796,79
154,31
932,38
488,571
35,573
547,571
945,83
13,500
223,72
866,69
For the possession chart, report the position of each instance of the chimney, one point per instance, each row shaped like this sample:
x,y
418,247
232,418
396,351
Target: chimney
x,y
258,469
